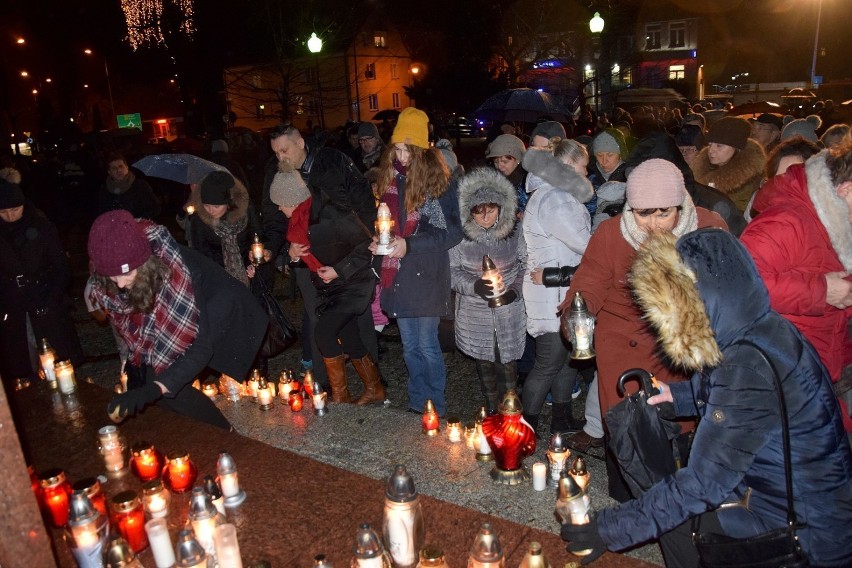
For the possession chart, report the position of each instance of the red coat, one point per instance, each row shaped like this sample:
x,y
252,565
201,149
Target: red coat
x,y
791,246
622,338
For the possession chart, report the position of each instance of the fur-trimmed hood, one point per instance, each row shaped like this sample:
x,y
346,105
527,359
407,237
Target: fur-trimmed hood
x,y
487,185
832,210
239,196
746,165
544,168
684,287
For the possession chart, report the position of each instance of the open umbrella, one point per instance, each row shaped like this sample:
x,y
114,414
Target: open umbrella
x,y
182,168
387,114
522,105
643,442
756,108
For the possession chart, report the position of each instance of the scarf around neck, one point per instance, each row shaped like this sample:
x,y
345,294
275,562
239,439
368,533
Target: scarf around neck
x,y
157,338
297,231
405,226
120,187
227,232
687,221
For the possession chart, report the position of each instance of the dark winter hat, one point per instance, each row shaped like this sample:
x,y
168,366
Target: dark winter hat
x,y
731,131
216,188
367,130
506,145
771,119
690,135
695,118
117,244
11,195
548,129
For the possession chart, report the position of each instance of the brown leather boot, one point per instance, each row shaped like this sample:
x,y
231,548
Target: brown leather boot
x,y
369,373
336,370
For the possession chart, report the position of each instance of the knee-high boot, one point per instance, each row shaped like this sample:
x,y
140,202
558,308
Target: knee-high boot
x,y
335,367
369,373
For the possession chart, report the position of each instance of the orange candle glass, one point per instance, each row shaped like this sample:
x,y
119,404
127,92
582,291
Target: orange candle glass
x,y
431,421
179,472
55,496
129,519
147,461
296,401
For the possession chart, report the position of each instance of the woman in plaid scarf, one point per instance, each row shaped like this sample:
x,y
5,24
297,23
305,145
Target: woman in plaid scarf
x,y
178,312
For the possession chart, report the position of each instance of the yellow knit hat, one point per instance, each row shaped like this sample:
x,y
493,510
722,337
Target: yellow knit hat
x,y
412,127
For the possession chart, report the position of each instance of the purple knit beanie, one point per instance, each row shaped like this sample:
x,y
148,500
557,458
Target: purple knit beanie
x,y
117,244
655,183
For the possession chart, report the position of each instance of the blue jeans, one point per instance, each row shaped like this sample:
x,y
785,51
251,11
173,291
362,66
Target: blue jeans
x,y
427,374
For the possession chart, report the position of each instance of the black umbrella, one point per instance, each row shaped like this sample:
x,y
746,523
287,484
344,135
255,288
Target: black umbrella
x,y
387,114
759,107
523,105
643,442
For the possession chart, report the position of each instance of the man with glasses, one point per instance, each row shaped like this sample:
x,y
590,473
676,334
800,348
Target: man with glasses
x,y
766,130
371,144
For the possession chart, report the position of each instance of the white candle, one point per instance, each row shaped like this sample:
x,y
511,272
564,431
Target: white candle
x,y
399,533
161,543
157,507
203,531
65,377
539,476
227,547
264,397
47,366
229,484
319,401
582,340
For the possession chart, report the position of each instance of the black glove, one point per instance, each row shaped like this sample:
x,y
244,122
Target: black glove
x,y
134,400
584,537
509,297
483,288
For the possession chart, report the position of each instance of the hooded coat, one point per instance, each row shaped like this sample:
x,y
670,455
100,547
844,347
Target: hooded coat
x,y
476,324
557,227
737,179
803,233
684,290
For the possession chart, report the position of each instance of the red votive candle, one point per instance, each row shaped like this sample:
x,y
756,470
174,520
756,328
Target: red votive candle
x,y
179,472
129,519
296,401
55,491
147,461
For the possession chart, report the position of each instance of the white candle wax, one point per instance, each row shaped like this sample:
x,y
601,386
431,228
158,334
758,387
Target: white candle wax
x,y
161,543
319,401
400,531
264,396
203,531
157,507
227,547
65,377
229,484
47,366
539,476
582,339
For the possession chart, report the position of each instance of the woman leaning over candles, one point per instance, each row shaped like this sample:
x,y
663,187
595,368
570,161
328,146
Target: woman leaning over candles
x,y
178,312
415,276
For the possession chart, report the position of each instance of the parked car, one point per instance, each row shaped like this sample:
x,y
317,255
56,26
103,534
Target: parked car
x,y
461,126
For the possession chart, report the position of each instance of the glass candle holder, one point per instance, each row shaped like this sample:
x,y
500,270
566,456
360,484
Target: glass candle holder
x,y
128,518
210,390
92,488
156,499
296,401
65,377
179,473
114,451
264,395
147,461
308,383
257,250
284,386
86,532
430,420
47,358
454,429
319,400
229,482
469,433
55,492
227,547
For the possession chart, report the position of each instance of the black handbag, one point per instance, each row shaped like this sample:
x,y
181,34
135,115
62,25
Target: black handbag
x,y
281,333
773,549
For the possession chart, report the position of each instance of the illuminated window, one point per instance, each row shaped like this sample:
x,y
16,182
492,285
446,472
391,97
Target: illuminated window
x,y
380,39
374,102
395,97
370,71
394,68
677,72
260,111
653,34
588,72
677,34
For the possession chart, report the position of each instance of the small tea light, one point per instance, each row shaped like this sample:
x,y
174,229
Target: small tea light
x,y
431,422
156,499
190,209
210,389
65,377
284,386
264,395
454,429
113,449
539,476
296,400
319,400
469,433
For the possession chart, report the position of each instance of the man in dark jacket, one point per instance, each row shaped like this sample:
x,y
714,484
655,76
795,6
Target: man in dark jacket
x,y
123,190
330,176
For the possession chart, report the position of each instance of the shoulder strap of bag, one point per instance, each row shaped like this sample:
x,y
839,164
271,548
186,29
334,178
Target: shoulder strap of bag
x,y
785,431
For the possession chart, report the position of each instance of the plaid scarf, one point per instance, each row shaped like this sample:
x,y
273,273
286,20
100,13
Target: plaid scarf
x,y
396,205
159,337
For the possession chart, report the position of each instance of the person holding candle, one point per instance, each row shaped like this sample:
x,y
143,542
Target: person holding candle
x,y
494,337
330,239
34,275
415,276
178,312
742,355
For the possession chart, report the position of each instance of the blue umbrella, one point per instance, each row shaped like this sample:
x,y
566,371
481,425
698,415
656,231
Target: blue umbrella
x,y
182,168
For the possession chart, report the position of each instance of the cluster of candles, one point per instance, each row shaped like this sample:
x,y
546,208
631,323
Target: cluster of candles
x,y
140,520
60,374
288,389
471,432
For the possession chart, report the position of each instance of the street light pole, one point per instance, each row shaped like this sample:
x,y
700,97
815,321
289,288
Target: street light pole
x,y
816,45
315,46
596,26
109,86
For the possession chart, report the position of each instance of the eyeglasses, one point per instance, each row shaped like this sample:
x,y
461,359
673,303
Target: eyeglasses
x,y
660,212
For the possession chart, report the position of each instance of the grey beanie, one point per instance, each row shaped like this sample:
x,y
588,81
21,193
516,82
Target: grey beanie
x,y
804,127
506,145
548,129
288,189
367,129
605,142
219,146
446,148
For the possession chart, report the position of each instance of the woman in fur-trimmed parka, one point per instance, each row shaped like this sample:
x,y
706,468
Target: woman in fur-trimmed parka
x,y
737,456
494,337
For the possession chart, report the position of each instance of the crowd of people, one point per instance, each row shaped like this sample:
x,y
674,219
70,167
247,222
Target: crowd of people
x,y
687,236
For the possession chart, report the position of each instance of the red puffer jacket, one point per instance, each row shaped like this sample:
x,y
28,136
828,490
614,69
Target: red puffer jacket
x,y
801,235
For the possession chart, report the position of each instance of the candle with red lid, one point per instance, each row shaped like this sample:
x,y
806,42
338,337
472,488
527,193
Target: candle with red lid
x,y
129,519
55,496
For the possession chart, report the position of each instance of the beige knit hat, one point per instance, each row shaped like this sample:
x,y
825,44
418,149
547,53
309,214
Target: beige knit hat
x,y
506,145
288,189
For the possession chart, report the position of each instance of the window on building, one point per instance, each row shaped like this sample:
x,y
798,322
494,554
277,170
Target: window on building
x,y
677,72
677,34
374,102
588,73
380,39
394,69
370,71
626,75
395,97
260,111
653,35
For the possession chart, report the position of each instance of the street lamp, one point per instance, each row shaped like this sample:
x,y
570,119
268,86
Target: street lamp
x,y
88,51
816,45
596,26
315,46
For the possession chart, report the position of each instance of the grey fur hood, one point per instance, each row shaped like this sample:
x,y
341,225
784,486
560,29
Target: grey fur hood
x,y
544,168
239,196
830,208
487,185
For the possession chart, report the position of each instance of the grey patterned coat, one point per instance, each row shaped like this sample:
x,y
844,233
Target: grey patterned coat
x,y
504,242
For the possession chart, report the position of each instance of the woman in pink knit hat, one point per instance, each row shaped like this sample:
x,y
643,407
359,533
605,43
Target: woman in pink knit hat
x,y
657,200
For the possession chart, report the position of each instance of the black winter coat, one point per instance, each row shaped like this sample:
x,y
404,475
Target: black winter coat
x,y
139,199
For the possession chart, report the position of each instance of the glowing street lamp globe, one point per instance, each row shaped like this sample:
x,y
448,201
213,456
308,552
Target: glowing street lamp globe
x,y
314,43
596,24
